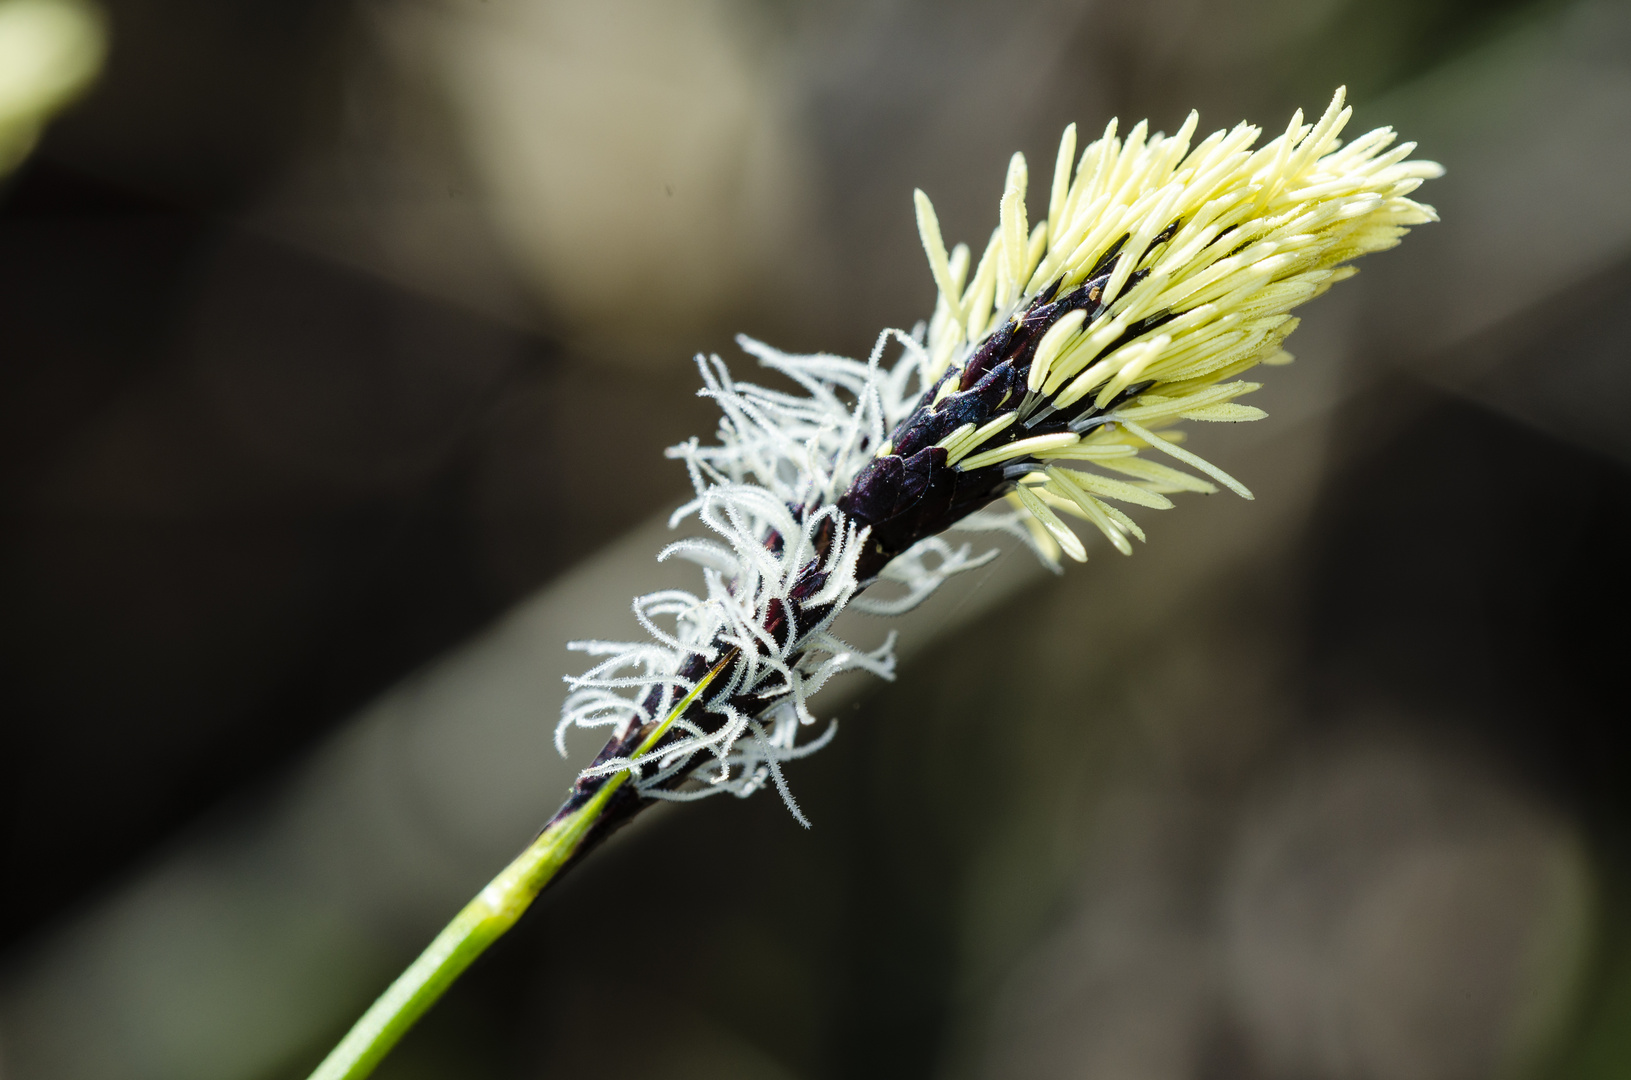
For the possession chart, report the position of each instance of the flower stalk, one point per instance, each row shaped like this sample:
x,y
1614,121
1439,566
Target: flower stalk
x,y
485,919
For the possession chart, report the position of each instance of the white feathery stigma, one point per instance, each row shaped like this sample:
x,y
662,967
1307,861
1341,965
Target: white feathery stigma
x,y
775,452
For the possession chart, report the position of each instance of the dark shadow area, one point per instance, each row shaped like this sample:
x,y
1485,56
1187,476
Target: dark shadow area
x,y
245,489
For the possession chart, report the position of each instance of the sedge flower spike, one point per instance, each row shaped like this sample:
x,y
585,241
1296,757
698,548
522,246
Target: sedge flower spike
x,y
1044,390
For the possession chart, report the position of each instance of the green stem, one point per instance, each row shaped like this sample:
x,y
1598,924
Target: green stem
x,y
483,921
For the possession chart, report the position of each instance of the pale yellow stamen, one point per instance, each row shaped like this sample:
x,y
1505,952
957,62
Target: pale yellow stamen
x,y
1015,231
1021,448
1053,343
1064,483
1068,541
1061,180
979,436
928,228
1193,461
1106,488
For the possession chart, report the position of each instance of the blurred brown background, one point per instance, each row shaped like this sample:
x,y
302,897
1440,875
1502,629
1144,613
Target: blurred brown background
x,y
339,345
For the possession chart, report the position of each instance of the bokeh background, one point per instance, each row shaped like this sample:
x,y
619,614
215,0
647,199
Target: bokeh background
x,y
339,342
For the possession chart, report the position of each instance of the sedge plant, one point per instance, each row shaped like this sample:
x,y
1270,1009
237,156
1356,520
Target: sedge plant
x,y
1044,394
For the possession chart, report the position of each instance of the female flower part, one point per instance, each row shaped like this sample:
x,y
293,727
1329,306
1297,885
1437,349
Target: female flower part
x,y
1044,388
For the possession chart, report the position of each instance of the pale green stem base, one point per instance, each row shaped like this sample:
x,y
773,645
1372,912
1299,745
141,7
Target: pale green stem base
x,y
483,921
